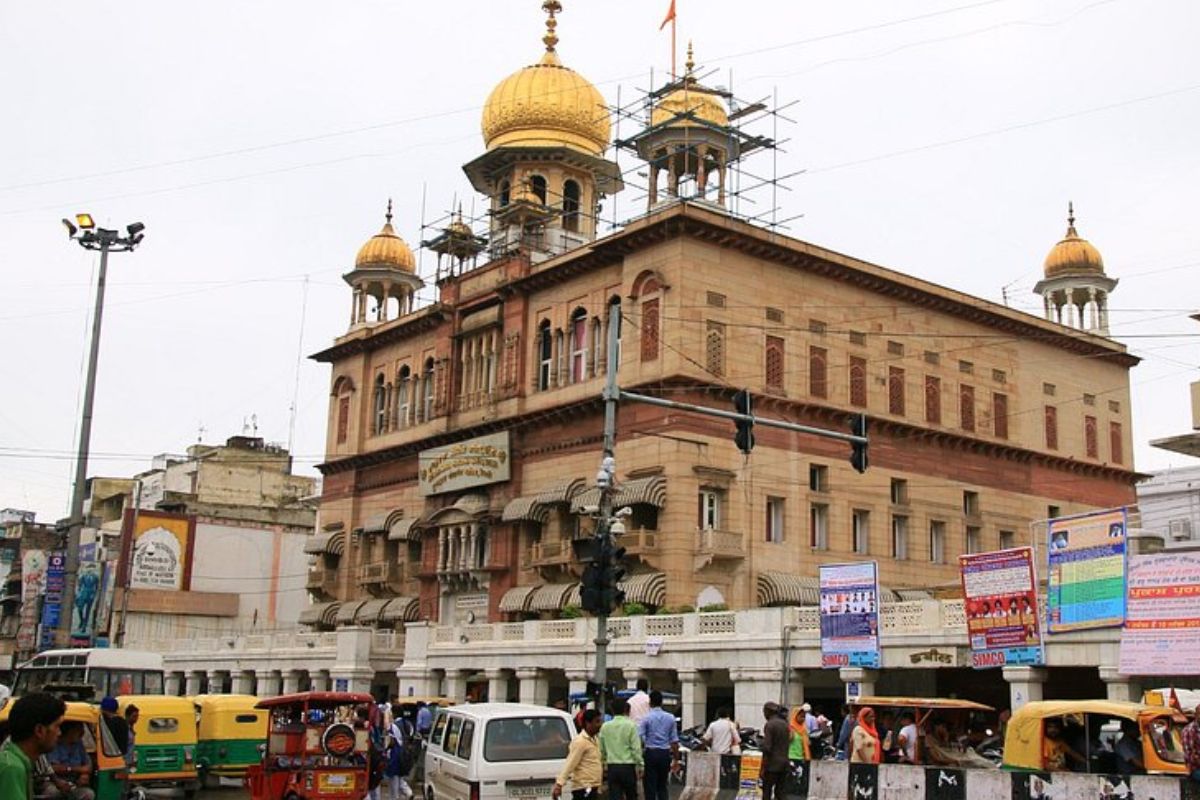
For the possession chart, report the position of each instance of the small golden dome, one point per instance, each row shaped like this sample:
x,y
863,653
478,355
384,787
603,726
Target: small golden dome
x,y
386,250
1073,255
690,104
547,105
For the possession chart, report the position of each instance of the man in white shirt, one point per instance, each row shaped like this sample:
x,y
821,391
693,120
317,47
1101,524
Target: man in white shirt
x,y
722,736
908,738
639,702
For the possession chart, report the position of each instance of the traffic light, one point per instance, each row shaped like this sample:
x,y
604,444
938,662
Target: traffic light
x,y
744,436
600,586
858,453
613,595
591,589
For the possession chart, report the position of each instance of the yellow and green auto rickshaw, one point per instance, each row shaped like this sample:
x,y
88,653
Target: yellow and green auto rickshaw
x,y
1093,722
230,731
108,778
164,754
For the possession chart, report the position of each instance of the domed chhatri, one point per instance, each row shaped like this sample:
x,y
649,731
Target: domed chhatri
x,y
547,104
1073,255
691,104
386,250
1075,288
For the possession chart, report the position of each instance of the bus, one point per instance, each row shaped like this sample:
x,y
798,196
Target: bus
x,y
109,671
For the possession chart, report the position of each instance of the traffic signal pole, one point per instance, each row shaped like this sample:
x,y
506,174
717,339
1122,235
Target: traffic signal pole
x,y
605,479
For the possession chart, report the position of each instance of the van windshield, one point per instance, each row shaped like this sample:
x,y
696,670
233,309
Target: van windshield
x,y
526,739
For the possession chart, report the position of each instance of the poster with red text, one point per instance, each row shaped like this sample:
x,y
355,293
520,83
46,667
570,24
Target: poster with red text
x,y
1162,626
1000,598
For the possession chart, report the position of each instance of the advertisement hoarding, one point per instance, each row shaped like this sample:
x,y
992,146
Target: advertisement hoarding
x,y
1086,579
1000,600
56,578
158,550
1162,632
850,615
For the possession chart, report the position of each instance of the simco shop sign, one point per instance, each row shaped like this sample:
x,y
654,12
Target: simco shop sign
x,y
464,465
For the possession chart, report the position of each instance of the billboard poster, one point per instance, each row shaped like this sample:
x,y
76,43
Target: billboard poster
x,y
1000,598
108,583
1087,571
1162,631
464,465
87,602
56,578
158,547
850,615
33,585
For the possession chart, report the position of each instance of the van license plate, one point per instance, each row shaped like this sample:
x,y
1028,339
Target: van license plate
x,y
529,791
337,782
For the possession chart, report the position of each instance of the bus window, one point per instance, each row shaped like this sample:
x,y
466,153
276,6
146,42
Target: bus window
x,y
122,683
154,683
98,678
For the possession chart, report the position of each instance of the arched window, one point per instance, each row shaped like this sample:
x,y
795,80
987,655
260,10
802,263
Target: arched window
x,y
571,205
404,398
538,185
380,396
545,355
505,193
714,348
427,390
579,345
343,389
858,381
650,323
598,348
614,306
774,365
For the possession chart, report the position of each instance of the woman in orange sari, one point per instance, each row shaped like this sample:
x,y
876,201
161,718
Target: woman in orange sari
x,y
798,749
865,747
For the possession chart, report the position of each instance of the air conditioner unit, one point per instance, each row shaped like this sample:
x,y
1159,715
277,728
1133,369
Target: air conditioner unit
x,y
1181,530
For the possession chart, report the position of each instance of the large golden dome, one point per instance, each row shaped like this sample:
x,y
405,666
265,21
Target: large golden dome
x,y
386,250
1073,255
547,105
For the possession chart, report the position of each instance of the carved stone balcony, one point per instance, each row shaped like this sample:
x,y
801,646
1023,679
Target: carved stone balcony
x,y
715,545
322,581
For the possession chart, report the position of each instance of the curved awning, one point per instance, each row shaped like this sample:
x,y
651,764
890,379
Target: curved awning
x,y
404,530
348,611
783,589
368,612
525,508
516,599
319,614
550,597
336,544
376,523
649,588
643,491
574,596
561,492
400,609
316,544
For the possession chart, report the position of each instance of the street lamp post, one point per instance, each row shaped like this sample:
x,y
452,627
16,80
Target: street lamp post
x,y
106,241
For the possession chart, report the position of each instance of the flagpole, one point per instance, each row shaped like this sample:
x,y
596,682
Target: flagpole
x,y
673,62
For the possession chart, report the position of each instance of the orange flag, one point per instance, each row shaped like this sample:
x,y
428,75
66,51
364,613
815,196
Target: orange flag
x,y
670,16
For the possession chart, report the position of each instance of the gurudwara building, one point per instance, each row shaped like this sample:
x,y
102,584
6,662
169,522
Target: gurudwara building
x,y
464,435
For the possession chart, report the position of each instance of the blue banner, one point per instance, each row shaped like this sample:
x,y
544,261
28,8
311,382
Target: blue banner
x,y
56,577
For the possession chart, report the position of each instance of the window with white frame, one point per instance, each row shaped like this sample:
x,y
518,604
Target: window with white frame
x,y
403,397
427,390
860,530
899,537
545,355
818,477
709,510
818,526
937,541
579,346
775,519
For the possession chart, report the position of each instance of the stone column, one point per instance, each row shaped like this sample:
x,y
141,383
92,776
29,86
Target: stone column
x,y
322,681
865,678
191,684
1024,684
291,681
1093,311
793,694
172,683
1103,311
1119,687
632,675
672,176
383,303
753,688
497,685
535,687
268,683
694,696
721,178
653,193
414,681
577,680
454,686
242,682
216,681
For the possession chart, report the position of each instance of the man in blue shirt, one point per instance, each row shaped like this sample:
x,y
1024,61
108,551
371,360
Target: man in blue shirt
x,y
71,764
424,719
661,742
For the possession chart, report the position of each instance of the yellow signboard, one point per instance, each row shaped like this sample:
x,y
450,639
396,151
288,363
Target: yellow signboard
x,y
157,553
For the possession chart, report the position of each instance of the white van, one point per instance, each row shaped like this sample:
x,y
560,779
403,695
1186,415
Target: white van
x,y
496,751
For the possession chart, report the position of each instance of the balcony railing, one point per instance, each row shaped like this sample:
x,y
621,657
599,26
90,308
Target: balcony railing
x,y
716,544
322,580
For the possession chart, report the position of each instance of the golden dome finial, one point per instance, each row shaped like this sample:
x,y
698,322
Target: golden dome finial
x,y
551,7
690,64
1071,217
1073,255
388,215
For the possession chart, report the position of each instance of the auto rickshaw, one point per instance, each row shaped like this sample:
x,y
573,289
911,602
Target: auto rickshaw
x,y
229,730
1159,728
164,754
108,777
317,748
960,715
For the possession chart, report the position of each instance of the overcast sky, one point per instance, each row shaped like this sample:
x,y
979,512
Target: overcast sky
x,y
259,142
